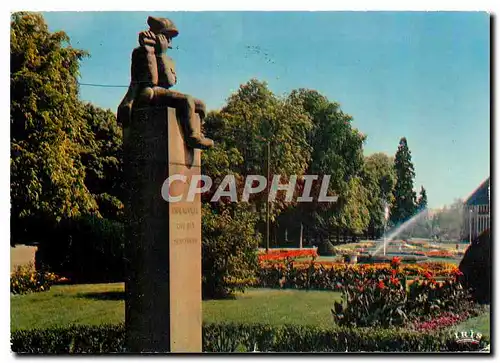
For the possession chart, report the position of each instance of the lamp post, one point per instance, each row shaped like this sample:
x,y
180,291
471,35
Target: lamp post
x,y
386,218
267,131
267,196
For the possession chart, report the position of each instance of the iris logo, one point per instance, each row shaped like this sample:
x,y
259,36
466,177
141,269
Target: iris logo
x,y
468,337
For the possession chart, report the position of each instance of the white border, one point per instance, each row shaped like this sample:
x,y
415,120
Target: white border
x,y
310,5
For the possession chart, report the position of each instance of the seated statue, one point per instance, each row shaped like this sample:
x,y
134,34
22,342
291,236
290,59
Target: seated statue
x,y
153,74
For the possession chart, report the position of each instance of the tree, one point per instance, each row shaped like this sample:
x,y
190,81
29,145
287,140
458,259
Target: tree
x,y
422,199
355,215
448,222
337,150
102,159
403,207
379,179
252,117
47,174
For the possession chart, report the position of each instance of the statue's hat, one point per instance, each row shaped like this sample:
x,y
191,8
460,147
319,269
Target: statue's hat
x,y
162,25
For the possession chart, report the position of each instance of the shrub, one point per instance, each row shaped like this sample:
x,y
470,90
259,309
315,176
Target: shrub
x,y
369,301
86,249
229,244
243,337
428,297
25,279
476,267
326,248
72,339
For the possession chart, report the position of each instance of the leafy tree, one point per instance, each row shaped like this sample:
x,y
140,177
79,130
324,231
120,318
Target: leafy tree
x,y
448,222
102,158
379,180
252,117
337,150
403,206
422,227
355,215
47,175
422,199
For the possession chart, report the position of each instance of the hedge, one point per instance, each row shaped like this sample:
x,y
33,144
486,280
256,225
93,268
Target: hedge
x,y
86,250
242,337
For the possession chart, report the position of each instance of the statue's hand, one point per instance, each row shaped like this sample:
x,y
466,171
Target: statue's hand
x,y
162,44
172,77
147,39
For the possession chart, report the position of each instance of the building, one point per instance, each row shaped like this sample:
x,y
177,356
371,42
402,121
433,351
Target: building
x,y
477,211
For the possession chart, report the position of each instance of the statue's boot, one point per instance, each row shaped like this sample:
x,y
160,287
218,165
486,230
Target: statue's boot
x,y
199,141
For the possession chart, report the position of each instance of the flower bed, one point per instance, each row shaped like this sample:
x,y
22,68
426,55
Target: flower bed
x,y
439,253
444,320
372,299
385,294
283,254
25,279
332,275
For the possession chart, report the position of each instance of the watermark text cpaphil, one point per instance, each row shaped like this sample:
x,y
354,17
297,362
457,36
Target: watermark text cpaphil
x,y
254,184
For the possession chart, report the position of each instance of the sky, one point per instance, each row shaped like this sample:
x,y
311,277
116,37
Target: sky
x,y
421,75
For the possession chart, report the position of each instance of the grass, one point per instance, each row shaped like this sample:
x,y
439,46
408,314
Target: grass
x,y
480,324
104,303
69,304
277,307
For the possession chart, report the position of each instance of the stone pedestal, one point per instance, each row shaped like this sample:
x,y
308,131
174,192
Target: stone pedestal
x,y
163,288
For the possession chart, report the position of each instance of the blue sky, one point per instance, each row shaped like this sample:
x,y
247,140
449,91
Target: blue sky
x,y
421,75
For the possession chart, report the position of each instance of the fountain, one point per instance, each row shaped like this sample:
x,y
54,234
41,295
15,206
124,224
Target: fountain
x,y
398,230
384,254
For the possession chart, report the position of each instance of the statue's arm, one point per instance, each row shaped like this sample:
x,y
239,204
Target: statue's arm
x,y
144,63
166,71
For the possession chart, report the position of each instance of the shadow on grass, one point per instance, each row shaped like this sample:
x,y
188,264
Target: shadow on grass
x,y
108,295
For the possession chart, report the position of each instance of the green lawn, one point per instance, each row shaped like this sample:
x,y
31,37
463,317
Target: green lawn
x,y
70,304
103,303
480,324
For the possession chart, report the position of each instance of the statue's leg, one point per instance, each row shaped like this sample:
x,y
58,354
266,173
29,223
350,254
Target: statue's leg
x,y
186,104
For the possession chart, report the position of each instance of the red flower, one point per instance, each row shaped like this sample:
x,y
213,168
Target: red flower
x,y
381,285
394,273
396,261
394,281
428,275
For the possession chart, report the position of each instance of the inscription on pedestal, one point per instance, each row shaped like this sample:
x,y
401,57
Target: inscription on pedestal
x,y
185,249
